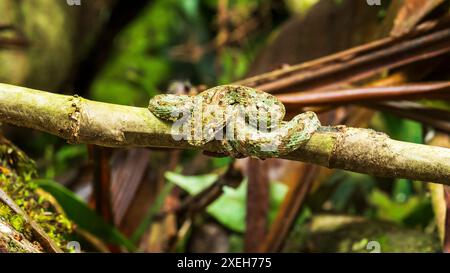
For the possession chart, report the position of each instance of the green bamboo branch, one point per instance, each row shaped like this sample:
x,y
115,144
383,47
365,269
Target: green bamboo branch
x,y
83,121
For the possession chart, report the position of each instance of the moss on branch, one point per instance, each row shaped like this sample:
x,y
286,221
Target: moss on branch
x,y
83,121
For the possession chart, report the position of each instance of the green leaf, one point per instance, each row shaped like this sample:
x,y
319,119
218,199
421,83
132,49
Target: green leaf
x,y
192,184
191,8
300,6
82,215
347,184
219,162
230,208
69,152
398,128
402,190
387,209
234,65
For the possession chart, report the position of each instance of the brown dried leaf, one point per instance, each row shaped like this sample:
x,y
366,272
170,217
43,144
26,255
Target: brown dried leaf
x,y
441,199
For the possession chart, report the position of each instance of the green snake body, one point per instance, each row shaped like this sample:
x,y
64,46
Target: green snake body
x,y
249,121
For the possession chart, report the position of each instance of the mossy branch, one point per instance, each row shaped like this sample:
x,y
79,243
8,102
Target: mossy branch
x,y
83,121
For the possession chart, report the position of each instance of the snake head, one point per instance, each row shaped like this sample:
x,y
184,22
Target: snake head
x,y
170,107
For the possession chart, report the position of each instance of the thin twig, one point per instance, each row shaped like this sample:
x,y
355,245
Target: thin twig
x,y
42,237
436,118
437,90
428,40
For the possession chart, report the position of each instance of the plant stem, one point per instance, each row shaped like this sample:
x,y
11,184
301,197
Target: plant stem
x,y
83,121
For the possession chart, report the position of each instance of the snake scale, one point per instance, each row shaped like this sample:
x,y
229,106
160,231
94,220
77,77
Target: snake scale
x,y
247,121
